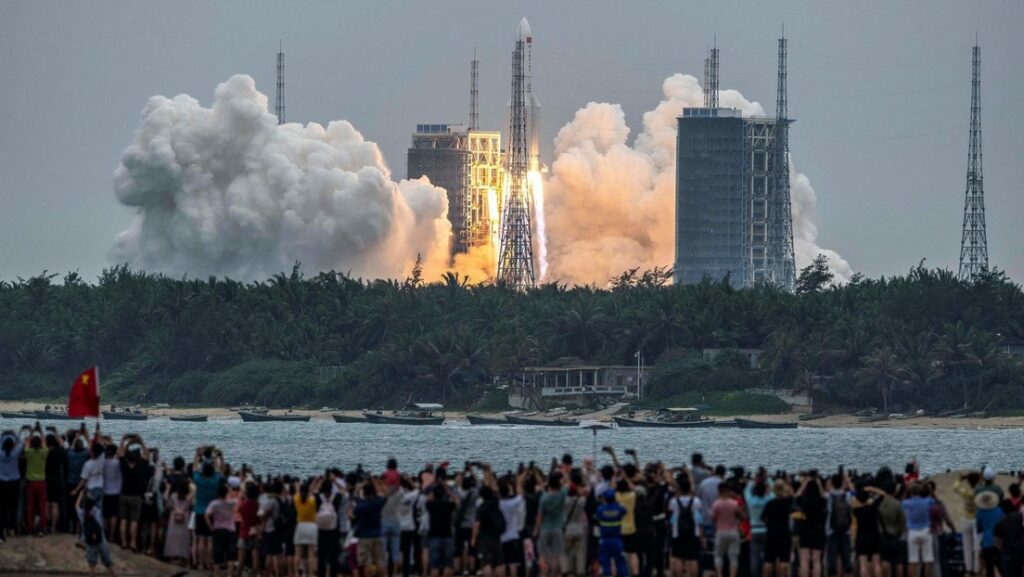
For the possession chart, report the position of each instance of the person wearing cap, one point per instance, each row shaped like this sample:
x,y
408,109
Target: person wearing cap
x,y
964,487
988,515
609,517
988,476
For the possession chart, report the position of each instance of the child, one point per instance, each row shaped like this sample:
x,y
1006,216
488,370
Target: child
x,y
220,516
90,520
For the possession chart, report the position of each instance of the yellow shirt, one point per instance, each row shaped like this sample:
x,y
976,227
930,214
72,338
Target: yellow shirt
x,y
305,512
628,501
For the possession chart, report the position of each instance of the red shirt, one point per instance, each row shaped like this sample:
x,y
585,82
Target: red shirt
x,y
392,477
248,513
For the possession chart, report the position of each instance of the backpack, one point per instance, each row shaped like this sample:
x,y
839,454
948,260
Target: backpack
x,y
285,517
326,516
841,518
685,524
643,514
92,530
497,518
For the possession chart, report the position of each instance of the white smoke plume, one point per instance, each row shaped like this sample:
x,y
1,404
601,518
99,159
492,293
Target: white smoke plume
x,y
225,191
611,206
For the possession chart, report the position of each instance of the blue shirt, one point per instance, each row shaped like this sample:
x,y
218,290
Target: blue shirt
x,y
9,463
987,521
206,490
609,518
916,509
368,513
76,460
755,506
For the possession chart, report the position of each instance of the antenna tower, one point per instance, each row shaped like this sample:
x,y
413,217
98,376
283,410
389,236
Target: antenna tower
x,y
783,262
474,93
973,242
279,103
515,256
713,77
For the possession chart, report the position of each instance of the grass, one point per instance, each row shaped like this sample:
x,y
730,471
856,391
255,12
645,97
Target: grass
x,y
723,403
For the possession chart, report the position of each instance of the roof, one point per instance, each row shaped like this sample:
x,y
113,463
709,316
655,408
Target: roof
x,y
427,406
682,410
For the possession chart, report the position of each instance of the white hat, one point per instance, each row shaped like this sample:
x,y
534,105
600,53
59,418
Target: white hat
x,y
989,474
234,482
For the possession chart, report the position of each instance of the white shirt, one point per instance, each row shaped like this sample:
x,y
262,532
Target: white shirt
x,y
92,472
406,520
112,476
708,492
514,511
681,502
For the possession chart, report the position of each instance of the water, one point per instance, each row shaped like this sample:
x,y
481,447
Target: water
x,y
307,448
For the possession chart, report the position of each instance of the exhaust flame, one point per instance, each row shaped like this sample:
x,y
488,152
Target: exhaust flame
x,y
494,221
537,191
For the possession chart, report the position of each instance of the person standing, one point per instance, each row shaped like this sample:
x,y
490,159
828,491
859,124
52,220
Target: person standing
x,y
247,511
964,487
306,532
707,491
35,486
917,509
75,458
488,529
686,529
756,496
135,475
56,475
206,480
513,509
92,537
465,518
176,538
609,517
1009,537
11,447
892,523
328,538
726,515
550,526
778,542
366,515
576,531
989,514
837,529
271,536
112,489
869,538
440,540
812,504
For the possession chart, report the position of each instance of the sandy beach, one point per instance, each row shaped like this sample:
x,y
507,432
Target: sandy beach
x,y
831,421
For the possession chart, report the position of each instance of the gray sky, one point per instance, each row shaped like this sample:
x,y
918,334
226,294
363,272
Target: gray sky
x,y
880,91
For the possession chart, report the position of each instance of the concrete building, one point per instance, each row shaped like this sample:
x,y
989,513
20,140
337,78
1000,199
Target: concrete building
x,y
468,165
541,387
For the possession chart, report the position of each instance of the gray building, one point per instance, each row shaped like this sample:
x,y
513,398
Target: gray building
x,y
441,153
726,176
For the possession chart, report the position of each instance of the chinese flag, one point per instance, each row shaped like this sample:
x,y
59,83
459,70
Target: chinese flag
x,y
84,400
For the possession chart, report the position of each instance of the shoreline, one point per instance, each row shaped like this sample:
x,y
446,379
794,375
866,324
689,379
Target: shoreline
x,y
827,422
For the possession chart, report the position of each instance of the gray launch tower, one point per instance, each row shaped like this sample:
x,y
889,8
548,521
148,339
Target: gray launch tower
x,y
974,241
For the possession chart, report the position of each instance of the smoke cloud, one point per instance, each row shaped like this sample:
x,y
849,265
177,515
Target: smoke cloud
x,y
611,206
225,191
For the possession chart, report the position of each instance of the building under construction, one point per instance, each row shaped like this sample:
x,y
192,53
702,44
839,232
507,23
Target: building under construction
x,y
733,218
468,163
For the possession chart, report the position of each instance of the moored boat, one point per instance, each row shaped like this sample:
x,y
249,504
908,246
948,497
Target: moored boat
x,y
17,415
519,420
266,417
676,418
125,415
339,418
482,420
412,414
749,424
51,416
189,418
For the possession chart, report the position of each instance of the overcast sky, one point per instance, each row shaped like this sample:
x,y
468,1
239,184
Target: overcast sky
x,y
880,91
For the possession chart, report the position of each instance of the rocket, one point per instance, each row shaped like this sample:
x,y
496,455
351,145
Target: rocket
x,y
532,104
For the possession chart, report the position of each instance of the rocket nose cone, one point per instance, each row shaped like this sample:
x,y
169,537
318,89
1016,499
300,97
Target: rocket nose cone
x,y
524,29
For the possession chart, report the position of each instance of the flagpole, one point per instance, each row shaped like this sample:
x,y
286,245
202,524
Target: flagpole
x,y
99,403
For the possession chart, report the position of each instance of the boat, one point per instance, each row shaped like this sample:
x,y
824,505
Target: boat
x,y
412,414
749,424
18,415
51,416
125,415
811,416
725,424
250,417
482,420
676,418
873,418
520,420
189,418
339,418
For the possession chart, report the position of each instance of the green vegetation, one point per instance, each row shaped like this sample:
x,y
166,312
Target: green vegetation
x,y
923,340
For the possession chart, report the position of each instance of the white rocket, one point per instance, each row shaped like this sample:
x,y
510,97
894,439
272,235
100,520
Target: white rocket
x,y
532,104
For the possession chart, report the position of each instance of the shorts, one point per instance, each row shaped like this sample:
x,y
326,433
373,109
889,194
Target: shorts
x,y
101,552
129,508
551,543
370,552
512,552
202,529
270,544
919,546
812,539
110,504
150,512
464,540
630,544
868,545
54,492
224,547
305,534
489,552
686,548
893,550
727,544
778,549
442,552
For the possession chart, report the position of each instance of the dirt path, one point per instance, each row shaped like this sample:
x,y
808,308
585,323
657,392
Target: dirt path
x,y
58,555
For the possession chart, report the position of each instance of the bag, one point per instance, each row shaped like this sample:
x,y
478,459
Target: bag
x,y
498,520
92,530
841,517
685,524
285,517
326,516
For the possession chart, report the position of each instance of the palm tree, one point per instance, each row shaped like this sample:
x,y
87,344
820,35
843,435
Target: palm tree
x,y
883,368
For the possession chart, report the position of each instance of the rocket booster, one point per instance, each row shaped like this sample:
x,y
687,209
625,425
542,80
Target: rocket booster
x,y
532,103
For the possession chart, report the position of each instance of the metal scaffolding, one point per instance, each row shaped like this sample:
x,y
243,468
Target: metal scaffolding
x,y
279,102
973,240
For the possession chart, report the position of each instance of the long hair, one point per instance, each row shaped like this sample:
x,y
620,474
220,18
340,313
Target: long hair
x,y
8,446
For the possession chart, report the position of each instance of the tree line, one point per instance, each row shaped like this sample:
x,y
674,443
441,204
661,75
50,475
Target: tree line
x,y
924,340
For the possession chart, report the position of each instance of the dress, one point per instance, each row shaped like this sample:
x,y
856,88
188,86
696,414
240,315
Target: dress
x,y
176,543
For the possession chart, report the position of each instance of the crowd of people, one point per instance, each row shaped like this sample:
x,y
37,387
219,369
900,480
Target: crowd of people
x,y
568,518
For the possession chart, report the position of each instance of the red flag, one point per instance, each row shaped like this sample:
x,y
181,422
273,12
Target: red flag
x,y
84,400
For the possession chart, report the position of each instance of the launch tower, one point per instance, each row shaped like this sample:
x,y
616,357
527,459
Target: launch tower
x,y
973,241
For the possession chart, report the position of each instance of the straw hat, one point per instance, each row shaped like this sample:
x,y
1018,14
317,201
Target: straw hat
x,y
986,500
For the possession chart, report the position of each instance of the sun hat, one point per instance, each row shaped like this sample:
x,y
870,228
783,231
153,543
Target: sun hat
x,y
986,500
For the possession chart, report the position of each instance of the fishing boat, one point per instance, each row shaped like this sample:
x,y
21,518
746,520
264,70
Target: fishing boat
x,y
749,424
250,417
17,415
50,415
412,414
339,418
124,415
482,420
520,420
189,418
676,418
